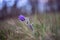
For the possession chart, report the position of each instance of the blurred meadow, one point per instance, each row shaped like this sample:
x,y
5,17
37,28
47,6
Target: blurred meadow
x,y
46,27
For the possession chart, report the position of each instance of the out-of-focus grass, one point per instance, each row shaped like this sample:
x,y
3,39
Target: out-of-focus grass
x,y
46,27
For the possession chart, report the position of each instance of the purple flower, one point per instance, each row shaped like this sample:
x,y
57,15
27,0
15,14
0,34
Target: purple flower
x,y
22,18
27,21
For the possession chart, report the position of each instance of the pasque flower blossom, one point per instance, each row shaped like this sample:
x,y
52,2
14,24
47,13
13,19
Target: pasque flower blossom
x,y
22,18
